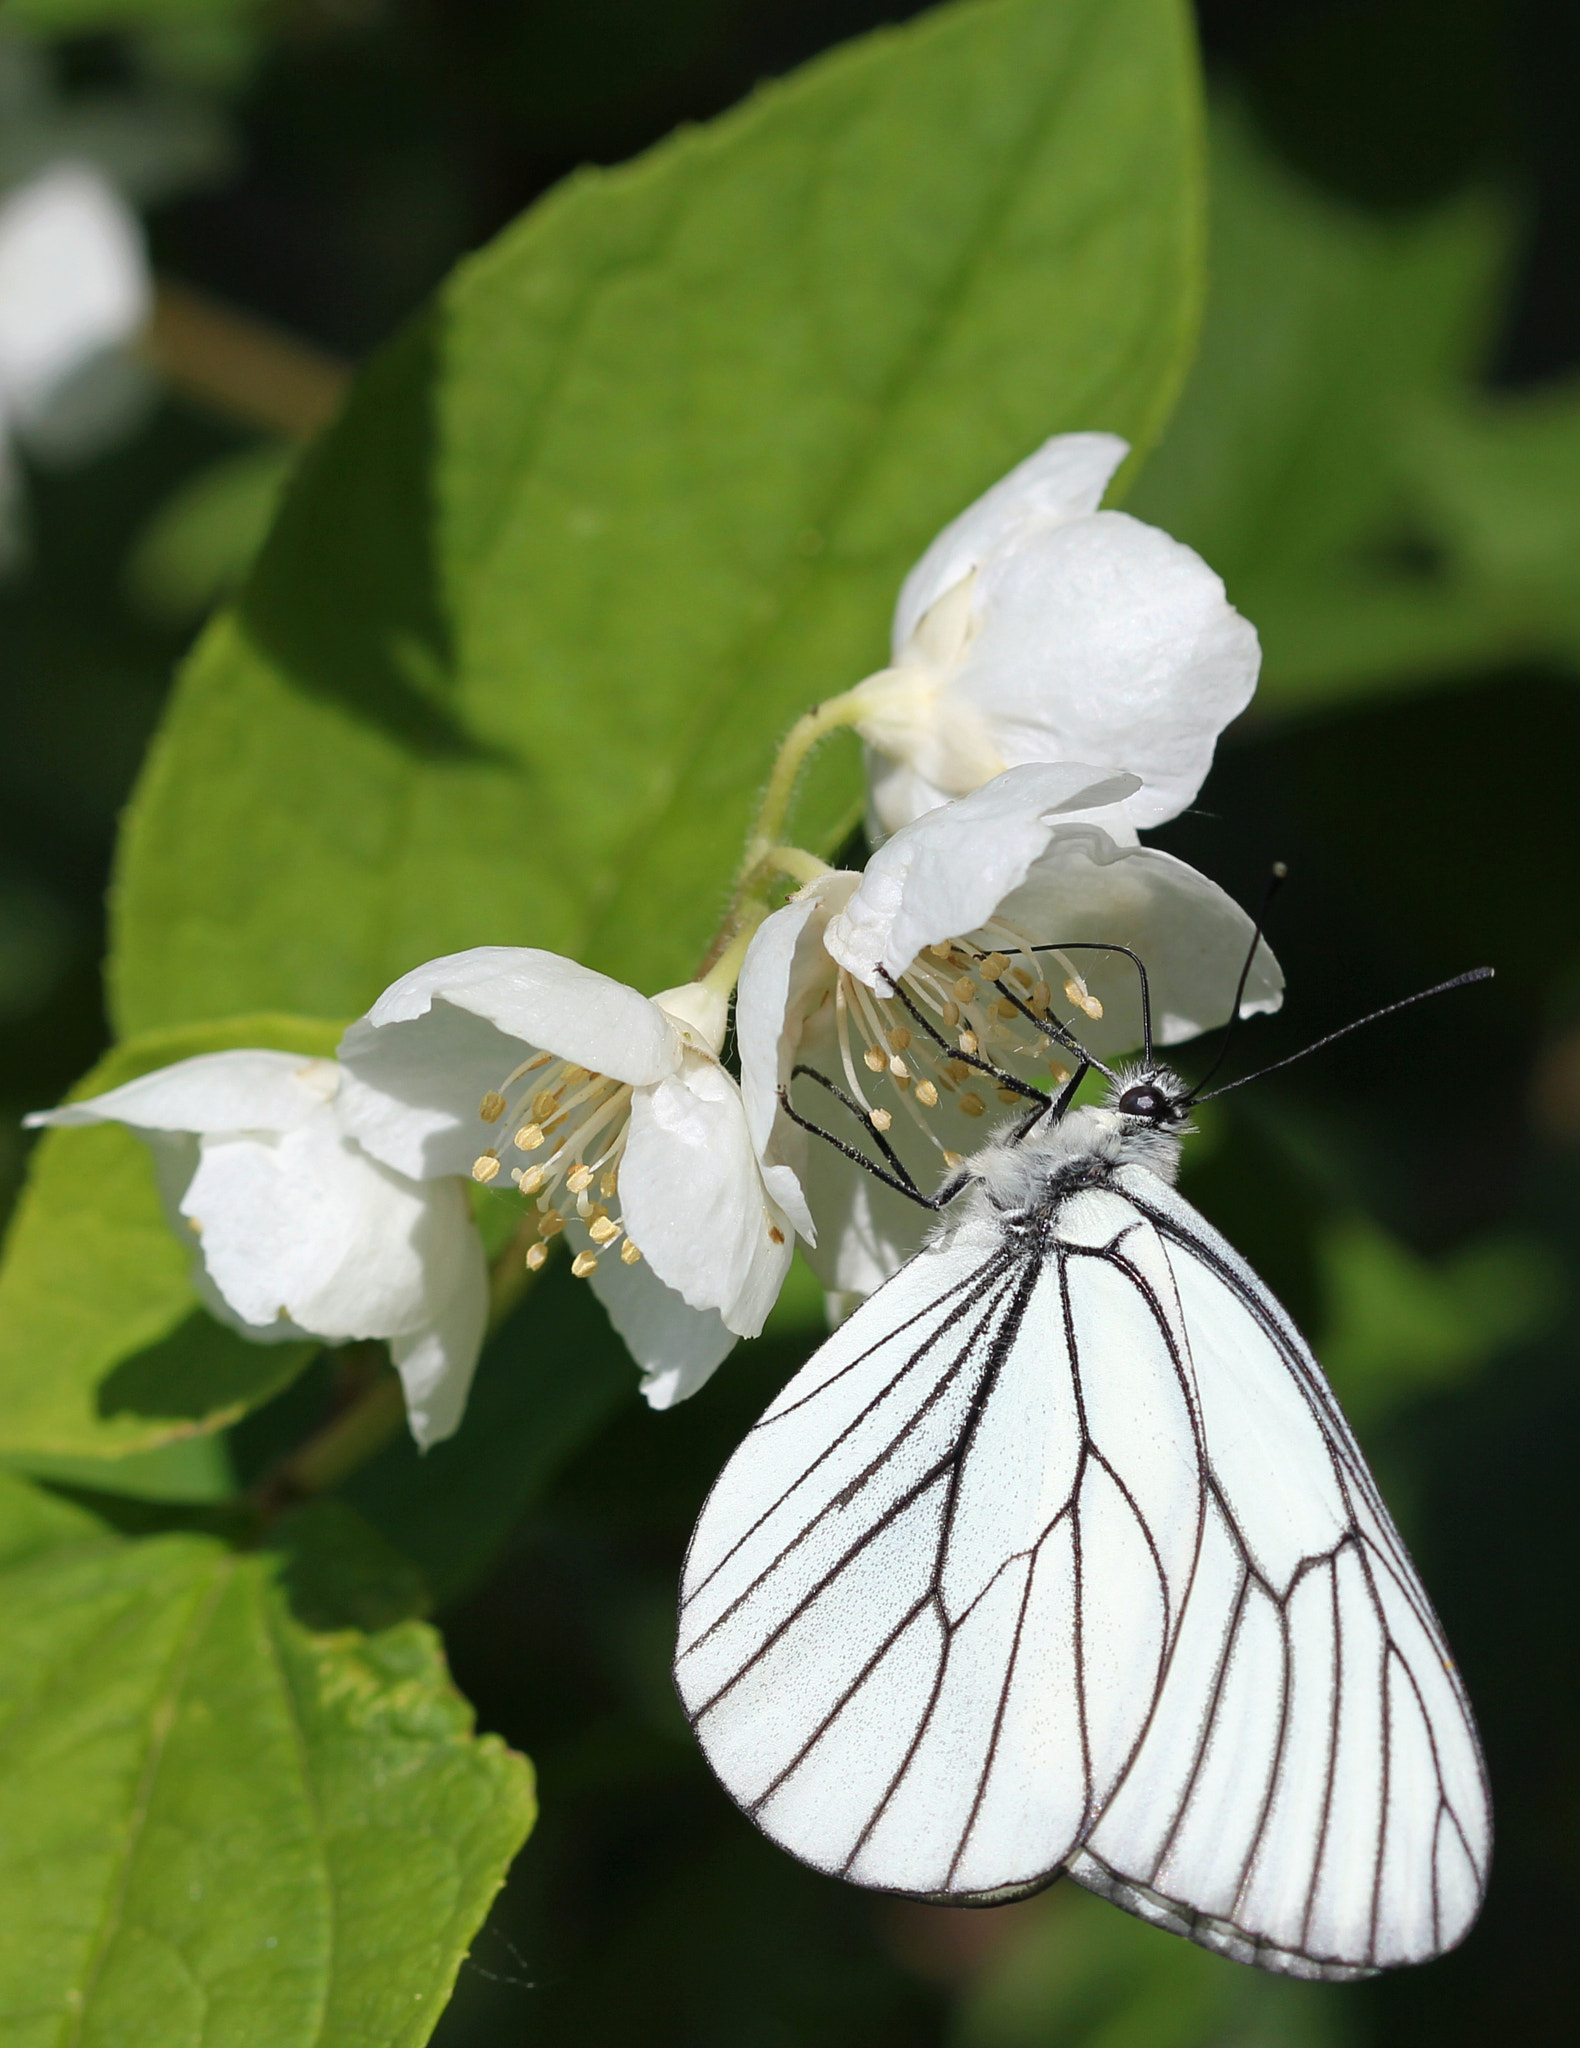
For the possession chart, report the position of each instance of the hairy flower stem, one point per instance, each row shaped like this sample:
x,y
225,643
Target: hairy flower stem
x,y
765,856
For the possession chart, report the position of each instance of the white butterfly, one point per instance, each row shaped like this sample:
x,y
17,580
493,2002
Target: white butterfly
x,y
1059,1556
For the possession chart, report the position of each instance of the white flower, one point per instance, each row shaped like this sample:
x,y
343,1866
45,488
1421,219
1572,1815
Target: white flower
x,y
1037,628
296,1232
74,292
609,1110
950,929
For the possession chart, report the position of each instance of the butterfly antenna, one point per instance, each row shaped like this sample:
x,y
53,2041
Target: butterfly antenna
x,y
1459,981
1110,946
1277,875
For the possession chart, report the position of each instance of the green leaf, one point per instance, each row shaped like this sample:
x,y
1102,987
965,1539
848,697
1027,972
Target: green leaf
x,y
103,1346
220,1827
1077,1973
1290,462
1502,477
200,543
639,487
1398,1325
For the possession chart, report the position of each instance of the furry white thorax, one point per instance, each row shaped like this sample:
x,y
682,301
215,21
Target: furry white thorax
x,y
1011,1176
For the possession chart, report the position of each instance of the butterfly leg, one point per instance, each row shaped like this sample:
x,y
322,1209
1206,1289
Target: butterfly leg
x,y
901,1179
1001,1075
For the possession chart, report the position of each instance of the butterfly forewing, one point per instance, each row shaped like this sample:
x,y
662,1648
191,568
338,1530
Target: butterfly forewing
x,y
1059,1554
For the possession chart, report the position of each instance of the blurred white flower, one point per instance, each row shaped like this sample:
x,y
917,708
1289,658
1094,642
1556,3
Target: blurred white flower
x,y
1037,628
608,1110
74,294
951,927
295,1231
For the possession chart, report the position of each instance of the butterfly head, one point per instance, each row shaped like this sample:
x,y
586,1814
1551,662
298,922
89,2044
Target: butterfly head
x,y
1151,1096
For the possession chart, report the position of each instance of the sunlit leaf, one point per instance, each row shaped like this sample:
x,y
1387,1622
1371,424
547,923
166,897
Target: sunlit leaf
x,y
640,486
226,1815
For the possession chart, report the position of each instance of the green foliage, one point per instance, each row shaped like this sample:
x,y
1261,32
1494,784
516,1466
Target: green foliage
x,y
1502,476
227,1817
637,488
1398,1326
103,1346
200,543
1077,1974
1290,462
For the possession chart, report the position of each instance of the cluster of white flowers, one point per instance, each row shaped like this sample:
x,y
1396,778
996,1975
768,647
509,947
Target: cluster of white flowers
x,y
1060,678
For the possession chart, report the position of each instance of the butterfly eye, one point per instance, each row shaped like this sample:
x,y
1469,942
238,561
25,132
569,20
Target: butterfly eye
x,y
1145,1101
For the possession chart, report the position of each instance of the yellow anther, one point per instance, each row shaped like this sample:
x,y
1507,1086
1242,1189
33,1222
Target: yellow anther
x,y
529,1137
944,952
968,1042
536,1254
1041,997
899,1069
951,1014
607,1186
953,1159
972,1103
574,1077
1058,1075
958,1070
992,968
874,1059
603,1230
584,1263
1006,1009
530,1179
881,1119
775,1234
927,1094
1020,979
484,1167
1008,1095
550,1223
899,1038
579,1178
492,1107
629,1254
1083,999
544,1105
965,989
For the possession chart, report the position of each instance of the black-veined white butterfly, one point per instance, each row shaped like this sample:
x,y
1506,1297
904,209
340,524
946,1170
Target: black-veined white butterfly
x,y
1059,1556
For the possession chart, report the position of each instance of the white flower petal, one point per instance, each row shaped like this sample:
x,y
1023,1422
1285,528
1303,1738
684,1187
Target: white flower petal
x,y
410,1093
1106,640
216,1091
306,1227
787,978
678,1347
694,1201
436,1363
866,1231
418,1065
1191,937
1065,479
947,873
544,1000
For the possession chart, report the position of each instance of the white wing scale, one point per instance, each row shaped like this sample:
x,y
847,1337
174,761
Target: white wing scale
x,y
1059,1554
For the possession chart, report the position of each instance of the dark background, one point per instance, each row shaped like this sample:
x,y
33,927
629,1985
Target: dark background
x,y
375,144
